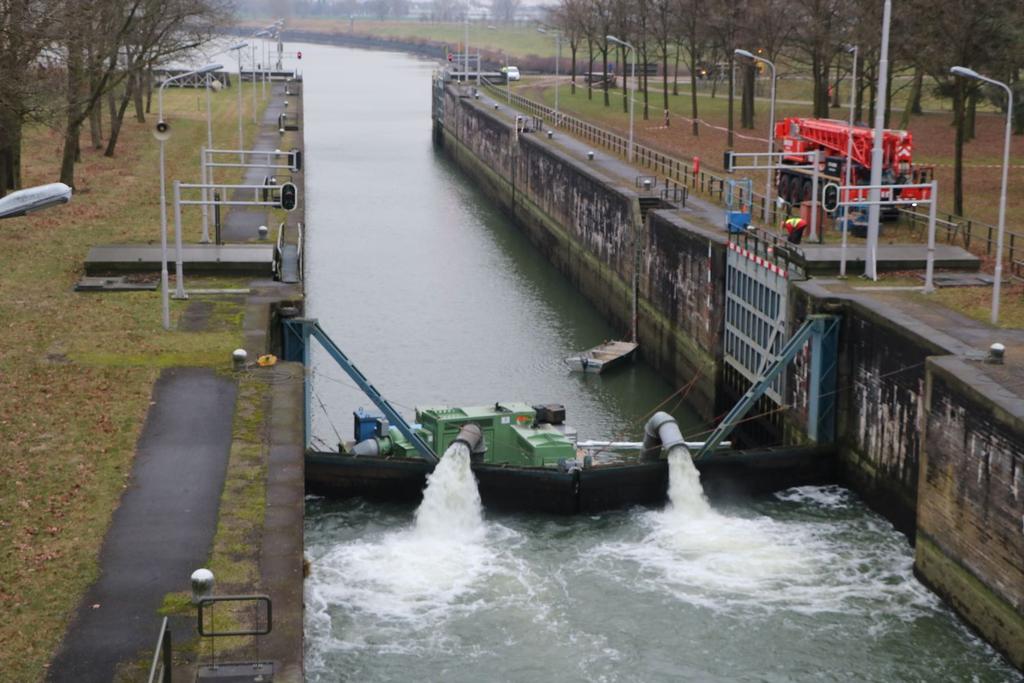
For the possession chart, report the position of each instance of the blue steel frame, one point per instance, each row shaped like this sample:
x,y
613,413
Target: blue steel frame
x,y
297,333
823,331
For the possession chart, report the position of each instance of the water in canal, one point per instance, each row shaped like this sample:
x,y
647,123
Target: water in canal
x,y
440,300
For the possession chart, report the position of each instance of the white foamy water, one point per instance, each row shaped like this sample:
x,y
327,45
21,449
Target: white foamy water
x,y
723,561
451,502
405,582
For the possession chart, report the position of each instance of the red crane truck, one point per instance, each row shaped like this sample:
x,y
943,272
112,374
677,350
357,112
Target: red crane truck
x,y
797,134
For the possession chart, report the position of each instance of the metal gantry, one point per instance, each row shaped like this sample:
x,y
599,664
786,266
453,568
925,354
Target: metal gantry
x,y
885,195
297,347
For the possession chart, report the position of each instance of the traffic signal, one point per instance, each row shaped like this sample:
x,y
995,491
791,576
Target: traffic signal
x,y
727,162
830,197
451,57
289,196
299,54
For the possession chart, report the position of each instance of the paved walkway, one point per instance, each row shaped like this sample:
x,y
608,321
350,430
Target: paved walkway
x,y
242,224
163,528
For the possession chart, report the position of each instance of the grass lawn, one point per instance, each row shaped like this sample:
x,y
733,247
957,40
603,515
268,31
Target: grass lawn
x,y
77,368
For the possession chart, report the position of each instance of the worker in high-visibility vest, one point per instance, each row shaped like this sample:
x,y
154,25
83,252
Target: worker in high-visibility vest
x,y
794,229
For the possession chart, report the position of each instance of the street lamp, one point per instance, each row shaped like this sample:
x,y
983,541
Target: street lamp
x,y
875,193
771,128
632,54
33,199
964,72
849,160
238,55
163,134
207,174
264,34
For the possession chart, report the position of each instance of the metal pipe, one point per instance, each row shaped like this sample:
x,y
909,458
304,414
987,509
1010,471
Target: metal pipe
x,y
661,434
473,437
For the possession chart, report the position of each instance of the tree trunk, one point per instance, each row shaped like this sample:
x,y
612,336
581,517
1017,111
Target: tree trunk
x,y
625,79
643,78
147,82
96,127
732,69
664,78
958,150
137,93
835,84
693,95
73,118
858,106
118,117
819,71
971,116
747,101
913,99
590,69
675,74
573,47
916,90
604,85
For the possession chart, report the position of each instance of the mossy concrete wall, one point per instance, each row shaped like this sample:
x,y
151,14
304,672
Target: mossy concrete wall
x,y
591,229
970,503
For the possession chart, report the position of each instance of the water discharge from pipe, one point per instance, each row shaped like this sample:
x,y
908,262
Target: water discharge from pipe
x,y
685,493
451,502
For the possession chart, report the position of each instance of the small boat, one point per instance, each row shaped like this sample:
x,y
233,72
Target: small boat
x,y
600,358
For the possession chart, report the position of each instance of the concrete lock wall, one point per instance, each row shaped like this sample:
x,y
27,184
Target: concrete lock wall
x,y
939,458
970,505
591,230
880,394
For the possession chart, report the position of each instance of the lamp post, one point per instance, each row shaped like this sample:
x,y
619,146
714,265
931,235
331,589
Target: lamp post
x,y
207,174
849,160
964,72
238,55
771,128
632,54
252,74
264,34
162,134
875,193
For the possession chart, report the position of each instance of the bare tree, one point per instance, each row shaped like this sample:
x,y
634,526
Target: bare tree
x,y
26,28
980,34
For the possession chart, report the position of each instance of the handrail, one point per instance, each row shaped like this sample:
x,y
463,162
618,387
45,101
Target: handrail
x,y
161,656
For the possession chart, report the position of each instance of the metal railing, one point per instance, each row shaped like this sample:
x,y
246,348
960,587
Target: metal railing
x,y
679,173
975,233
676,172
160,669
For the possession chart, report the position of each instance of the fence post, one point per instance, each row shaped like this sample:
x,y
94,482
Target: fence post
x,y
967,236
